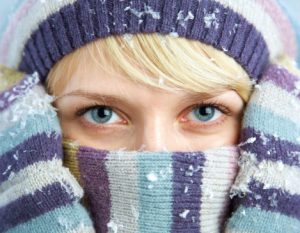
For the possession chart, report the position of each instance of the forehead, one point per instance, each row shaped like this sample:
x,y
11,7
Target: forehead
x,y
92,83
94,78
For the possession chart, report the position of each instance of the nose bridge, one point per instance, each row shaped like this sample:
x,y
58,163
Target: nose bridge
x,y
155,134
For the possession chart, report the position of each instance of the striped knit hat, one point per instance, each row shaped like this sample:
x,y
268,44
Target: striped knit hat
x,y
41,32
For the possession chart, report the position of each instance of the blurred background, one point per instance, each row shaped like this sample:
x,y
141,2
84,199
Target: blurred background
x,y
292,7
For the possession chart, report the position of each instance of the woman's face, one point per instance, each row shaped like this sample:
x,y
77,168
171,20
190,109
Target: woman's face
x,y
112,112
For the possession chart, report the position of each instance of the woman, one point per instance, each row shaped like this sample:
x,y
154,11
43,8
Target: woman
x,y
153,163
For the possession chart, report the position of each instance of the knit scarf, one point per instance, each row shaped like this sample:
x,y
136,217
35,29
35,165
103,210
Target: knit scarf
x,y
142,191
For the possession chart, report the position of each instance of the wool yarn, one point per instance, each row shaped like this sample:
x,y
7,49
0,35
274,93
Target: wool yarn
x,y
40,33
37,193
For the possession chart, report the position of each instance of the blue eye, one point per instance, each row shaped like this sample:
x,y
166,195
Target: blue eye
x,y
101,115
205,113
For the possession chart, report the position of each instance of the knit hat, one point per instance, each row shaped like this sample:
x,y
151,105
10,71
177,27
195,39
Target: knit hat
x,y
41,32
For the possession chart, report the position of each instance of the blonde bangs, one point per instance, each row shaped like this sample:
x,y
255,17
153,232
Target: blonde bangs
x,y
157,60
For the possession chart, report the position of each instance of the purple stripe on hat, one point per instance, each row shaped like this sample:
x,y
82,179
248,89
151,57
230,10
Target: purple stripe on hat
x,y
198,28
269,147
48,33
120,22
231,22
41,49
271,199
252,44
84,16
69,16
168,16
26,153
187,176
239,41
151,24
36,58
213,37
21,88
29,61
96,185
135,15
100,18
84,21
31,206
60,34
262,61
283,79
184,17
256,54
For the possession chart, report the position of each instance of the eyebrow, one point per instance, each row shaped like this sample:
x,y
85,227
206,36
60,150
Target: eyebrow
x,y
196,96
94,96
189,97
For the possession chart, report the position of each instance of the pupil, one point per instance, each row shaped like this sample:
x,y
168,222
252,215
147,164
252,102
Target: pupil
x,y
103,112
206,111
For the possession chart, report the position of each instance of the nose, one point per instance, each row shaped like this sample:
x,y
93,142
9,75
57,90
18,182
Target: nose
x,y
158,135
154,137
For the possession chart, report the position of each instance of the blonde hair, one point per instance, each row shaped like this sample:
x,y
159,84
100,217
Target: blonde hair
x,y
161,59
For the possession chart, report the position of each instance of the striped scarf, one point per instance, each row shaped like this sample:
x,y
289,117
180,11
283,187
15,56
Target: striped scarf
x,y
267,188
138,191
37,194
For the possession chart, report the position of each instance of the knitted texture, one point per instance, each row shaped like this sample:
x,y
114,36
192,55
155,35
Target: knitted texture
x,y
37,194
41,32
6,83
268,184
150,192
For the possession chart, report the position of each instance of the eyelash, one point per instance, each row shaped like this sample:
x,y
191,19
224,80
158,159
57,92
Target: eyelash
x,y
216,104
80,111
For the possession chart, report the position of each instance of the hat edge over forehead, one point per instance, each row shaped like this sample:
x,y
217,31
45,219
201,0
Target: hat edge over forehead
x,y
42,32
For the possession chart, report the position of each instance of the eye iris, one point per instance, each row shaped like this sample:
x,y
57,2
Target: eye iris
x,y
204,113
101,115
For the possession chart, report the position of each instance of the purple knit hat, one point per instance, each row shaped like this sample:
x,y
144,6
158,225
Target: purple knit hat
x,y
40,33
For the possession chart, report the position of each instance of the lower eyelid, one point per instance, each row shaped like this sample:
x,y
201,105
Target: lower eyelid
x,y
214,123
90,125
101,127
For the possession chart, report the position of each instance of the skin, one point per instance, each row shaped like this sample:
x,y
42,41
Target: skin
x,y
144,117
